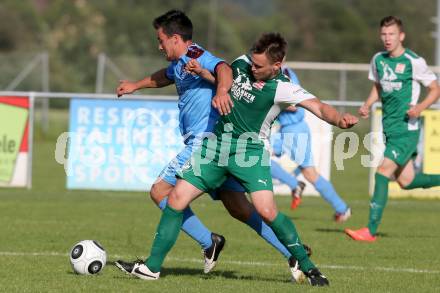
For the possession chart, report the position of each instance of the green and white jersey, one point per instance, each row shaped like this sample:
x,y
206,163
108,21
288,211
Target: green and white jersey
x,y
399,79
257,103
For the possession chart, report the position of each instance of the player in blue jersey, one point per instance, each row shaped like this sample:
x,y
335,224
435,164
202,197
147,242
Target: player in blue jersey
x,y
174,33
174,30
295,140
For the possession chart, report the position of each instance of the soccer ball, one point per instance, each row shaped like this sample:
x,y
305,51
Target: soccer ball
x,y
88,257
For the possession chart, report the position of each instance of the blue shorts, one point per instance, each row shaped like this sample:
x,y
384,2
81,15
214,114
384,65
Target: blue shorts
x,y
175,165
296,141
168,174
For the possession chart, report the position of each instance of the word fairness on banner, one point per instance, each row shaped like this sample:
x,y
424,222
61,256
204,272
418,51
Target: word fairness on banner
x,y
120,145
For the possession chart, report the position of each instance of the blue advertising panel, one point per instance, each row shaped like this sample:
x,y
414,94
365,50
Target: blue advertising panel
x,y
120,145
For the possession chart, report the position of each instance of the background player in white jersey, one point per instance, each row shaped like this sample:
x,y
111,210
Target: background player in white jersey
x,y
294,139
397,74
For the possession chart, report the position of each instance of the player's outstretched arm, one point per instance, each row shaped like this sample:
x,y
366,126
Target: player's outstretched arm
x,y
373,97
156,80
222,101
329,114
432,97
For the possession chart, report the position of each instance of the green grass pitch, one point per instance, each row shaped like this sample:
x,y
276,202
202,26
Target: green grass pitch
x,y
39,227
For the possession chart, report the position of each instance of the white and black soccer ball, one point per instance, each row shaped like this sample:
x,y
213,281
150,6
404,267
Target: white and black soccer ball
x,y
88,257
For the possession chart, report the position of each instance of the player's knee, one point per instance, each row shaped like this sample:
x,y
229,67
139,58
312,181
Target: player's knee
x,y
310,174
174,199
387,168
383,170
404,182
267,214
160,190
177,199
156,195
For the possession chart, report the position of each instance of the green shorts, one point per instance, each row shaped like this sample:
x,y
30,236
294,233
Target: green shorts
x,y
402,148
209,167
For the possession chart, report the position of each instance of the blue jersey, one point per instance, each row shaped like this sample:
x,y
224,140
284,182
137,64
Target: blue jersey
x,y
288,118
196,115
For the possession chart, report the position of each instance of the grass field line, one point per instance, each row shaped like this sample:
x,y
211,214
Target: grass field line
x,y
242,263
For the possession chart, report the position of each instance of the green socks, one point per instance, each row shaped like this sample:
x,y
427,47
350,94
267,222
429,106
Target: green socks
x,y
378,202
422,180
285,231
380,195
166,235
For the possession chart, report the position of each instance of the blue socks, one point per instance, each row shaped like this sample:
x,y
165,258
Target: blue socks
x,y
279,173
325,188
256,222
192,226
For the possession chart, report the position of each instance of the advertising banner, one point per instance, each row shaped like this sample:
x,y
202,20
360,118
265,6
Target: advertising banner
x,y
120,145
14,127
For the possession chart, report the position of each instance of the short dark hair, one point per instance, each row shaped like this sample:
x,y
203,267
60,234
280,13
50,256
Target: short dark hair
x,y
390,20
175,22
273,45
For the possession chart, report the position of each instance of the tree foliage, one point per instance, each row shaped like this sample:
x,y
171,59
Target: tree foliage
x,y
75,32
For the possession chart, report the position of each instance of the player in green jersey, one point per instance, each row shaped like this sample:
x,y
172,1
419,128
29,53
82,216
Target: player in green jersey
x,y
397,74
239,147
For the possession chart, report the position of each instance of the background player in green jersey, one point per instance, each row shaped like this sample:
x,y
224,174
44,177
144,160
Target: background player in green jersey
x,y
397,74
259,91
